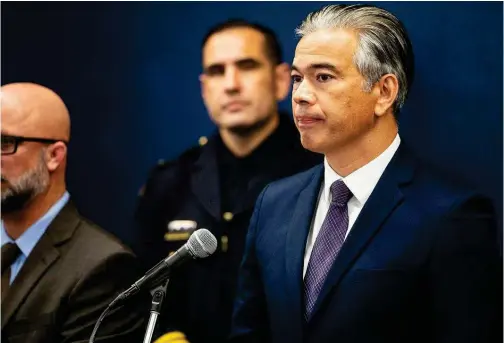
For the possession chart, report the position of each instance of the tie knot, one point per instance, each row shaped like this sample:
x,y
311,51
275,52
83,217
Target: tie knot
x,y
10,251
340,193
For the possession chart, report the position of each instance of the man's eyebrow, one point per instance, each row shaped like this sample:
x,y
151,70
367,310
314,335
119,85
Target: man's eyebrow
x,y
246,60
240,62
324,66
316,66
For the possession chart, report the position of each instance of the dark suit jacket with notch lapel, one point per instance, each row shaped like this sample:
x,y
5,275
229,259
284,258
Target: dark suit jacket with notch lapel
x,y
69,278
421,264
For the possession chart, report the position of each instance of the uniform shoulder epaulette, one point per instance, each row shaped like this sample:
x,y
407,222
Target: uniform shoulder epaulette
x,y
183,161
185,157
170,169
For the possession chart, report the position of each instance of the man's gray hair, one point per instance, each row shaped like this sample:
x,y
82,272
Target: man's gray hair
x,y
383,48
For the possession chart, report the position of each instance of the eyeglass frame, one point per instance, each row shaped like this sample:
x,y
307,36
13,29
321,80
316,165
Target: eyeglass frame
x,y
21,139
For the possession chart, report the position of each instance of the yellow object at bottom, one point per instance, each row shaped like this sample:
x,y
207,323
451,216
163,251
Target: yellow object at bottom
x,y
172,337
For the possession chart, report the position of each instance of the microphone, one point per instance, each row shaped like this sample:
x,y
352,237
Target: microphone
x,y
201,244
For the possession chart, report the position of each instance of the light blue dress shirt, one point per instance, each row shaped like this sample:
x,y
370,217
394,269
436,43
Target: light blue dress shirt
x,y
27,241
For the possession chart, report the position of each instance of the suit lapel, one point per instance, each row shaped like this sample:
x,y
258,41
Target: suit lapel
x,y
205,183
297,233
385,198
40,259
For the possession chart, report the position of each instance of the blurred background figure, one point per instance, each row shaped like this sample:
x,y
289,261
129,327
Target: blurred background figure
x,y
59,270
215,185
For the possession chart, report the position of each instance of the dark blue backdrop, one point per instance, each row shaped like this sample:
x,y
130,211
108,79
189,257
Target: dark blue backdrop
x,y
129,74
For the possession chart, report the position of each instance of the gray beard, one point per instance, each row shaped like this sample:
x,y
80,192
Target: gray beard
x,y
25,188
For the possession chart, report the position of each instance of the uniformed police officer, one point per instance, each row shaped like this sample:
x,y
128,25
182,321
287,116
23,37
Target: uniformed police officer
x,y
215,185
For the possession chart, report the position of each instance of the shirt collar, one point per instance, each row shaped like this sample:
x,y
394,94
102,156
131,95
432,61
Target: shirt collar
x,y
27,241
362,181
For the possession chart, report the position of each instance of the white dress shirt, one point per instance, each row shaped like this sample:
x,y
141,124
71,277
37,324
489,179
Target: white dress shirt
x,y
361,183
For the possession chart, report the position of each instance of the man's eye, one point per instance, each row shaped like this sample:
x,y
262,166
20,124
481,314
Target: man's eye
x,y
214,70
324,77
296,78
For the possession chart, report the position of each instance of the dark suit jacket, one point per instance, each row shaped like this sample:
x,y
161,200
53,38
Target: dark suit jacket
x,y
421,264
69,278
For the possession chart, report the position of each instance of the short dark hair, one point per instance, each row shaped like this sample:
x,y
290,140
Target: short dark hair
x,y
272,46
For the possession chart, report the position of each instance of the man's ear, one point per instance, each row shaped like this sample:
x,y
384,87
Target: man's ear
x,y
55,155
387,89
282,80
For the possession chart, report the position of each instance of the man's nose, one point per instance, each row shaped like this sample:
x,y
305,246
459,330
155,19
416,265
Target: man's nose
x,y
303,95
232,80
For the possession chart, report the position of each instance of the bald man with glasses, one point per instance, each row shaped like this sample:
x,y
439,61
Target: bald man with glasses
x,y
59,271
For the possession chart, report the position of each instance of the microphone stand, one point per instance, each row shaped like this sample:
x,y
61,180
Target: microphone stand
x,y
158,295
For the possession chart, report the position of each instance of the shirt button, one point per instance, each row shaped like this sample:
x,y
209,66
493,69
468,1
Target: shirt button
x,y
228,216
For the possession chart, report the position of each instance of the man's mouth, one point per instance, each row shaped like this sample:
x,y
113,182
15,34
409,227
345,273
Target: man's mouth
x,y
235,105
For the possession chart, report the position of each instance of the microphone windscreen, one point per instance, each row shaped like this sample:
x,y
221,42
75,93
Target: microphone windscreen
x,y
202,243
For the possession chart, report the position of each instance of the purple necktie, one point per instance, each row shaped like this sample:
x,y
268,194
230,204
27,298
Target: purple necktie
x,y
327,244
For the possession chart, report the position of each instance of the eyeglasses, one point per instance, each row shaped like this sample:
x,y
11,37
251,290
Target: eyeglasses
x,y
11,143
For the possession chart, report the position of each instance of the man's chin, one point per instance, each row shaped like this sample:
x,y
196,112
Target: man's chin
x,y
310,143
238,120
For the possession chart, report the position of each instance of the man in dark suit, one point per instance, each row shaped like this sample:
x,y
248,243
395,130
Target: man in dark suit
x,y
371,246
59,271
216,185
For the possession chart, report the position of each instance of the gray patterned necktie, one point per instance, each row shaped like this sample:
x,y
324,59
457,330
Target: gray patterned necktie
x,y
327,244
